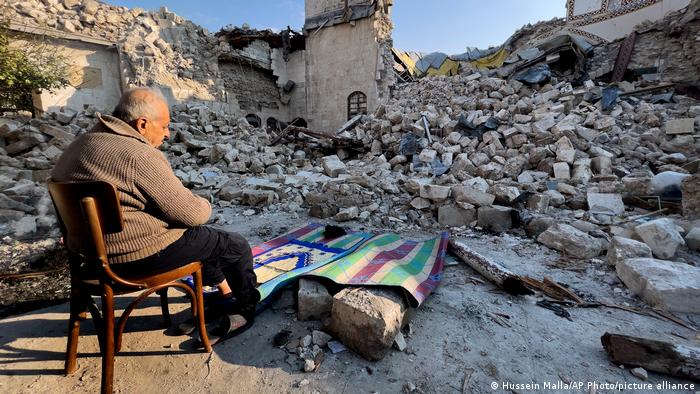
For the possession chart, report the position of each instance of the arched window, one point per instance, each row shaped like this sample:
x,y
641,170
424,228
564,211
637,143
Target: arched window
x,y
254,120
299,122
357,104
272,124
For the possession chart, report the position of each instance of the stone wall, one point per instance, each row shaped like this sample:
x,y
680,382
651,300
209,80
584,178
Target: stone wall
x,y
671,45
346,58
93,79
157,48
254,89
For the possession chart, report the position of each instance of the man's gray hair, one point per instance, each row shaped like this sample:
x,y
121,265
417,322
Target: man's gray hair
x,y
138,103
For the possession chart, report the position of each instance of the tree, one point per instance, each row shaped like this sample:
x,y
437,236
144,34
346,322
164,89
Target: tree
x,y
29,68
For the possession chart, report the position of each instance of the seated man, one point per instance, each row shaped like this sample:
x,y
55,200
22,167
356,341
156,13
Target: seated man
x,y
162,219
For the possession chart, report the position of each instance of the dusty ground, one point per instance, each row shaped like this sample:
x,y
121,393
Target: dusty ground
x,y
453,336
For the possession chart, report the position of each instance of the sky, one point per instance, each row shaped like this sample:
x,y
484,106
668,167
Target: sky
x,y
426,26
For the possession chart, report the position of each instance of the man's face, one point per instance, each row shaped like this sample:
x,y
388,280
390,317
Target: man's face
x,y
155,130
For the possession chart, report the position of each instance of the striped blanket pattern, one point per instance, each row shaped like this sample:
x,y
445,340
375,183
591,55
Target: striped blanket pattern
x,y
304,249
389,260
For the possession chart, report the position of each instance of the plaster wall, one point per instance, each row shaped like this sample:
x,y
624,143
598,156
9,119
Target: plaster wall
x,y
93,78
586,6
622,25
317,7
292,70
609,20
340,60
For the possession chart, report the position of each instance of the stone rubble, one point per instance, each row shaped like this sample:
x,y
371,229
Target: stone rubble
x,y
503,157
158,47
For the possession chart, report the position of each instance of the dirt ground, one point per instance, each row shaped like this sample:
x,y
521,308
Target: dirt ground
x,y
467,337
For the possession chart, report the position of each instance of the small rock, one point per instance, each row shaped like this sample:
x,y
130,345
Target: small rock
x,y
400,342
641,373
309,365
320,338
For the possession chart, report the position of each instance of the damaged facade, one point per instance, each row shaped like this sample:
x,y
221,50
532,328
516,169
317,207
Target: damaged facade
x,y
527,140
609,20
340,66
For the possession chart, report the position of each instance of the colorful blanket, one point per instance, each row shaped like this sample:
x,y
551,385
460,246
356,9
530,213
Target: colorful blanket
x,y
304,249
389,260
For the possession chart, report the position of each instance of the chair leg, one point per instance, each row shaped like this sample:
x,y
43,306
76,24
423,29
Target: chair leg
x,y
200,310
108,337
78,313
164,306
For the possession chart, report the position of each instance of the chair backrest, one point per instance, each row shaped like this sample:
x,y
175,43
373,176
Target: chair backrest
x,y
87,211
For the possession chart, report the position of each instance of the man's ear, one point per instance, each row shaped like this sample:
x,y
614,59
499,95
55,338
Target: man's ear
x,y
140,125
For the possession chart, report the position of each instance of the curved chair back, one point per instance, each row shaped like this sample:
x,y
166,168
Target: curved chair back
x,y
87,211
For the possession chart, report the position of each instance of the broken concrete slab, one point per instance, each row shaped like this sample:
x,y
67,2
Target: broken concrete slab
x,y
624,248
669,285
662,236
313,300
367,320
571,241
605,203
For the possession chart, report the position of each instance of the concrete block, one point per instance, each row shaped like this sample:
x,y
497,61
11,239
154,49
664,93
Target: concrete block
x,y
332,166
455,216
538,203
680,126
257,197
624,248
495,218
605,203
367,320
571,241
435,192
673,286
313,300
662,236
347,214
602,165
561,170
471,195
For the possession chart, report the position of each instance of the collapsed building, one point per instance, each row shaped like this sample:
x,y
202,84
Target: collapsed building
x,y
530,137
270,78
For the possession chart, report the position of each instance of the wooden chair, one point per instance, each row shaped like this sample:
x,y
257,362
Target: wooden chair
x,y
87,211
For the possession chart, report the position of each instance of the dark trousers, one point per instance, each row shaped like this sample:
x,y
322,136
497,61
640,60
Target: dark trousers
x,y
223,255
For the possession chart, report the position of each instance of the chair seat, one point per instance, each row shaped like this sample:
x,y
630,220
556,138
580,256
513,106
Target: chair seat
x,y
92,286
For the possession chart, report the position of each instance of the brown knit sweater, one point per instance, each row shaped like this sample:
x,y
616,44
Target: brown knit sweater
x,y
156,207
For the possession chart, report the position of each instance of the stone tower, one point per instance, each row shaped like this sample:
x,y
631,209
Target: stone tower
x,y
349,64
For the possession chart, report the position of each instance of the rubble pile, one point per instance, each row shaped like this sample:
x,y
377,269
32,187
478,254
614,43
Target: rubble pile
x,y
499,156
157,48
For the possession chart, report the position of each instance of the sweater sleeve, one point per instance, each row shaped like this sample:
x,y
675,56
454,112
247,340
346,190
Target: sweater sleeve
x,y
176,204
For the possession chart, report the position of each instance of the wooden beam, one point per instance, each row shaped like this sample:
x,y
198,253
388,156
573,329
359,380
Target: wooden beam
x,y
663,357
491,270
